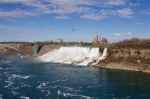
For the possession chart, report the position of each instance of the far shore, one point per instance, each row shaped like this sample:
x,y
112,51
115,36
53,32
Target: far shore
x,y
133,54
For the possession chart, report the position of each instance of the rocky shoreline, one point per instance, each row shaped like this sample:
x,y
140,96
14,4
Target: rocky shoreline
x,y
127,59
125,66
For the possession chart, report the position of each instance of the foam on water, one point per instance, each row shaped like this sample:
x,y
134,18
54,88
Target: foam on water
x,y
60,93
14,93
72,55
20,76
24,97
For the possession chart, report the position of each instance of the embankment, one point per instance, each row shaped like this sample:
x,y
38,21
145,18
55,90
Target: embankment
x,y
25,50
127,59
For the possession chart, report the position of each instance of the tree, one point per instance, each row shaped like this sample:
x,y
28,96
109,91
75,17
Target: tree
x,y
135,40
104,42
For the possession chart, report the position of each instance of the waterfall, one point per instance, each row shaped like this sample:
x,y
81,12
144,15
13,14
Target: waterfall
x,y
102,57
73,55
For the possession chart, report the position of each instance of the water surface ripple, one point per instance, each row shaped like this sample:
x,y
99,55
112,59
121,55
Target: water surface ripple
x,y
24,79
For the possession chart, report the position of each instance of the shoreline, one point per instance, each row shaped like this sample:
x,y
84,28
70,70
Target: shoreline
x,y
124,66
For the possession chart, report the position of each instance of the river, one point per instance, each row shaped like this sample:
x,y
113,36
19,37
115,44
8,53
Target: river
x,y
22,78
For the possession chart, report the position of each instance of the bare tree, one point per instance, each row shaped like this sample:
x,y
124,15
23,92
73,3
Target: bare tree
x,y
104,42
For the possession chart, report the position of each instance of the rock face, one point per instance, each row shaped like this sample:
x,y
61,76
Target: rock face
x,y
5,50
24,50
128,59
144,53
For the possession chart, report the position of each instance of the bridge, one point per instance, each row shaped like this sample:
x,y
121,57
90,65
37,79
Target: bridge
x,y
35,47
21,47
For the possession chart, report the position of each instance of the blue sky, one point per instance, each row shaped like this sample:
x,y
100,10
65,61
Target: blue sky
x,y
73,20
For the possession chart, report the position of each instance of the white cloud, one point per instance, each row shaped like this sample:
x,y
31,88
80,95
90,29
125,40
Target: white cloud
x,y
88,2
85,9
115,2
93,17
17,1
120,34
125,12
71,2
15,13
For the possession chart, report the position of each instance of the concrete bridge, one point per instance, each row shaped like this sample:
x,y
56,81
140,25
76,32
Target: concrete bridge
x,y
31,47
37,48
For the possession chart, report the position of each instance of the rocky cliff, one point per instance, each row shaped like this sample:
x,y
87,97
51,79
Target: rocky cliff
x,y
128,59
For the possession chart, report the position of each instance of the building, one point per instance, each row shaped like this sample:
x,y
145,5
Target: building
x,y
96,39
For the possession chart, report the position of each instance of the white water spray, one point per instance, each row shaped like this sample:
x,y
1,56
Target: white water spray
x,y
104,56
73,55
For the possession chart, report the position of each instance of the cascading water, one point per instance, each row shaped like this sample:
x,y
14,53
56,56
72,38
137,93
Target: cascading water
x,y
72,55
103,56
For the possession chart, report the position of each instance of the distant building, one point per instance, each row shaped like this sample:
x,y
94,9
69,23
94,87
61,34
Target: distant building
x,y
96,39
